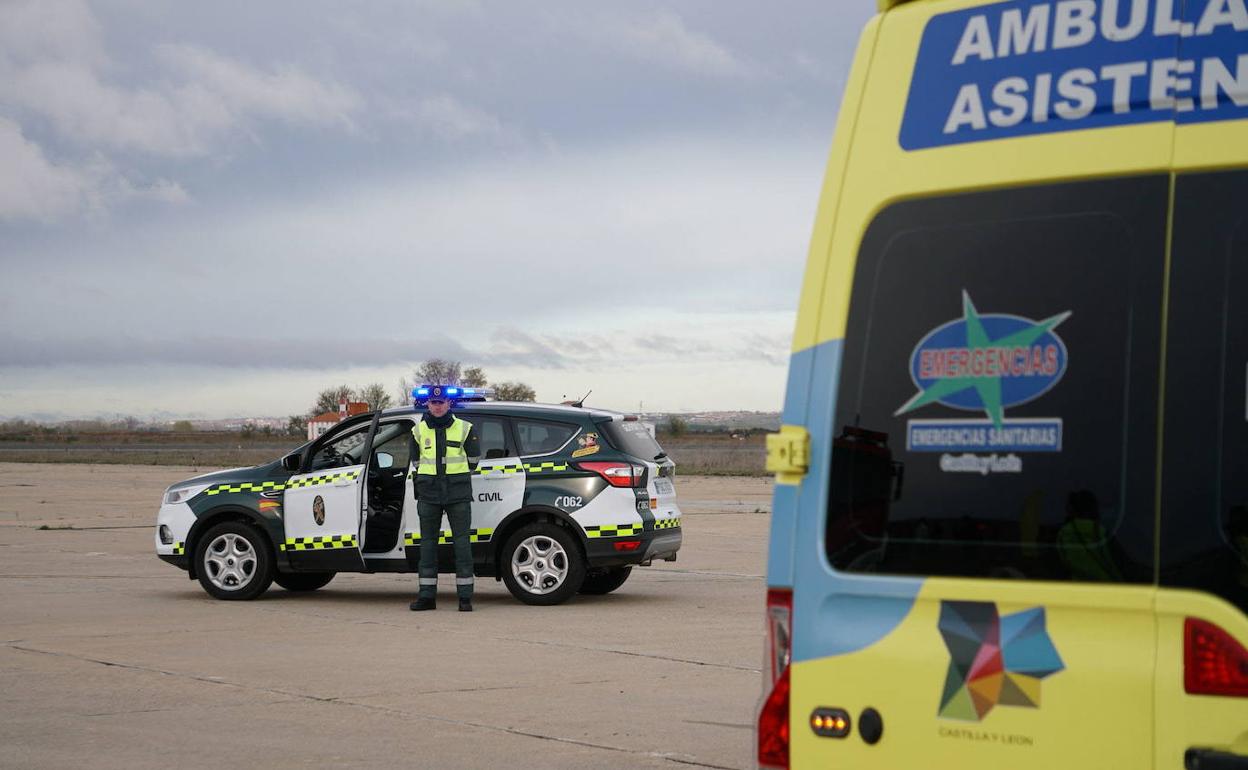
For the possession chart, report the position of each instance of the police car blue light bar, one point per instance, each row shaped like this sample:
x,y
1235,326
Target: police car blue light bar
x,y
422,394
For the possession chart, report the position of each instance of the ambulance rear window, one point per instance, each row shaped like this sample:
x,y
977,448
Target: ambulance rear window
x,y
997,401
1204,503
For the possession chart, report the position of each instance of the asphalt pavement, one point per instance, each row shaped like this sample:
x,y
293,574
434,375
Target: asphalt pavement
x,y
110,658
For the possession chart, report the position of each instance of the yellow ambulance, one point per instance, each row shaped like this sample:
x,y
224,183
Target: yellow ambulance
x,y
1010,525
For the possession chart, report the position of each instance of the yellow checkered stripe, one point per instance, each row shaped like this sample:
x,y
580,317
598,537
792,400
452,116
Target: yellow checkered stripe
x,y
319,480
179,549
504,470
444,537
671,523
246,486
318,543
545,467
510,469
613,530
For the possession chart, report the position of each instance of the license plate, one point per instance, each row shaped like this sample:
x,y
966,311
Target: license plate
x,y
664,487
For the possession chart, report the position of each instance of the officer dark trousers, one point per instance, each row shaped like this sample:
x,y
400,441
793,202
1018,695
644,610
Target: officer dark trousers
x,y
460,517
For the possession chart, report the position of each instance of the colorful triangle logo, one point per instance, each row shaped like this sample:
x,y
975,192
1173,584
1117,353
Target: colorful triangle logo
x,y
993,660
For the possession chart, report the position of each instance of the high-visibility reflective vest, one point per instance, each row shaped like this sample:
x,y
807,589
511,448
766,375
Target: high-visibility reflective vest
x,y
1082,544
456,459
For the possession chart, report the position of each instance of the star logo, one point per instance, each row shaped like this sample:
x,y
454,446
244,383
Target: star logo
x,y
994,660
965,362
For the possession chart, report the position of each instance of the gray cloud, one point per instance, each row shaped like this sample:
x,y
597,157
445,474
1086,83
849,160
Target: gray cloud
x,y
662,36
226,352
619,191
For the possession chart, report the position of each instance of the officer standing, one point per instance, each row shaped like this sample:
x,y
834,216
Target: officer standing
x,y
447,450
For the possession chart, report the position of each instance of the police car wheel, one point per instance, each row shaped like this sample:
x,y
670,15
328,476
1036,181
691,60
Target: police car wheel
x,y
605,580
303,581
233,561
542,565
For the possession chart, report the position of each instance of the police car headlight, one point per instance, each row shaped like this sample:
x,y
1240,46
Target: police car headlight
x,y
182,494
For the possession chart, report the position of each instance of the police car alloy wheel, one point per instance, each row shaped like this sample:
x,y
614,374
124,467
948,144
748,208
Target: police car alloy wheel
x,y
543,565
303,581
233,561
605,580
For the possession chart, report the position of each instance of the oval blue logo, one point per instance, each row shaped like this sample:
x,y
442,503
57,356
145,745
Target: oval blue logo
x,y
987,362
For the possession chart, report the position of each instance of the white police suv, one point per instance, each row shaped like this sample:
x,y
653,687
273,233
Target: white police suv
x,y
566,500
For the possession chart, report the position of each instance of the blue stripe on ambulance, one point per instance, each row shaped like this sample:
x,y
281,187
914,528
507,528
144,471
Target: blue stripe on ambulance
x,y
831,614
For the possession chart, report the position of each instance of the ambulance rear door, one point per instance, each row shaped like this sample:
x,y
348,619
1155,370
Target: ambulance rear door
x,y
1202,665
975,561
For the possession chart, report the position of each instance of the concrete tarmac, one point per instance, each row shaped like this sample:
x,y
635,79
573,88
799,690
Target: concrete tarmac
x,y
110,658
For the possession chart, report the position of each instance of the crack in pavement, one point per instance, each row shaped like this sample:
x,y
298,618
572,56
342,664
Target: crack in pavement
x,y
564,645
78,577
652,656
183,707
713,573
718,724
339,701
502,687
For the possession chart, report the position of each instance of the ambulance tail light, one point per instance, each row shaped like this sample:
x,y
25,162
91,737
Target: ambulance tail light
x,y
1214,662
616,474
773,715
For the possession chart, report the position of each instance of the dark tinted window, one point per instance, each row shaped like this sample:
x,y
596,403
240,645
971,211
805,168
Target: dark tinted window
x,y
631,437
996,410
491,431
1204,524
343,450
539,437
395,439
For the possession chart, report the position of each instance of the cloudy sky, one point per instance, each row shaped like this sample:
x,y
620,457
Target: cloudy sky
x,y
219,209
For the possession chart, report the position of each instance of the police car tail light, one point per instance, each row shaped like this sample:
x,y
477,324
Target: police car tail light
x,y
773,716
1214,662
616,474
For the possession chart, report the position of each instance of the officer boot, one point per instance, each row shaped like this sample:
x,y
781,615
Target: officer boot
x,y
423,603
465,605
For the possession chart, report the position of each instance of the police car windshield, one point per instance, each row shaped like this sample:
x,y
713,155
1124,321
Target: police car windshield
x,y
632,437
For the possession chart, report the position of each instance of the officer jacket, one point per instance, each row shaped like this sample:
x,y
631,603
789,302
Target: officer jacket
x,y
440,487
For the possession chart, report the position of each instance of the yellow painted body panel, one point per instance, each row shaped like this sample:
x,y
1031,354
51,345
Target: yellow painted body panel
x,y
1186,720
880,172
1209,146
1090,713
1120,701
811,304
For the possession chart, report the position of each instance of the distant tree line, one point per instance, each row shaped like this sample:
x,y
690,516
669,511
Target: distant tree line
x,y
441,371
435,371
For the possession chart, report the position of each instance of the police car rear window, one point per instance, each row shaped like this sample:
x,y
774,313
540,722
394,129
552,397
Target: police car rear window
x,y
997,401
539,437
632,437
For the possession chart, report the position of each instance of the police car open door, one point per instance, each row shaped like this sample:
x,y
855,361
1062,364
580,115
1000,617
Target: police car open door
x,y
322,507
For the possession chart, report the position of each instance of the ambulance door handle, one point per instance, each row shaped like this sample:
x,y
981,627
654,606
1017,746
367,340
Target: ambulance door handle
x,y
1212,759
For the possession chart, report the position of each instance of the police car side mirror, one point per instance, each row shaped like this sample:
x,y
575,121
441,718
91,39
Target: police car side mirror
x,y
291,462
495,453
385,460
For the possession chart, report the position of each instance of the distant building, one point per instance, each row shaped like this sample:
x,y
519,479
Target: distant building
x,y
323,422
